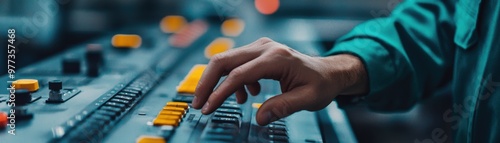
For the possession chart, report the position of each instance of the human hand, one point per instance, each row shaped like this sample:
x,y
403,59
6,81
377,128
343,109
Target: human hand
x,y
307,83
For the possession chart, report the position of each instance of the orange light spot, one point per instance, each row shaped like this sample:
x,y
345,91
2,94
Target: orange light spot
x,y
126,41
3,120
219,45
267,6
172,23
232,27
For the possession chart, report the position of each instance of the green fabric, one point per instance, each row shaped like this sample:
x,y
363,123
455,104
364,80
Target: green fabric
x,y
425,44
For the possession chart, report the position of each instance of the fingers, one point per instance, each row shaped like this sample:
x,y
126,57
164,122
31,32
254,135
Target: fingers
x,y
247,73
254,88
241,95
281,106
222,63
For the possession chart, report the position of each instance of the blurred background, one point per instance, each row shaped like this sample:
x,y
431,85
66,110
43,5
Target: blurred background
x,y
48,27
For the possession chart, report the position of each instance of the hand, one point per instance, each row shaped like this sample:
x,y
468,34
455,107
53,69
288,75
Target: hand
x,y
307,83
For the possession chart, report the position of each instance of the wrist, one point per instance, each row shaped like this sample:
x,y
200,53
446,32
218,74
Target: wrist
x,y
348,72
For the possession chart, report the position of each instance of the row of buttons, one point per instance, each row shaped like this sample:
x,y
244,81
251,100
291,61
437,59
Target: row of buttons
x,y
94,122
225,122
277,131
167,119
171,114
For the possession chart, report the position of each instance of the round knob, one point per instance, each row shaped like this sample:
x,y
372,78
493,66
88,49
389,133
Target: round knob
x,y
28,84
71,65
23,97
55,85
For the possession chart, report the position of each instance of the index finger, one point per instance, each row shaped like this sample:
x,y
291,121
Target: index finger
x,y
221,63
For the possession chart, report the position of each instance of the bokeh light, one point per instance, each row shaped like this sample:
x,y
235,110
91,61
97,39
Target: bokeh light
x,y
172,23
219,45
267,6
232,27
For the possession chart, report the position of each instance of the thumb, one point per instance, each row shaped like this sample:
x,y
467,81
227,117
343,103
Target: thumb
x,y
282,105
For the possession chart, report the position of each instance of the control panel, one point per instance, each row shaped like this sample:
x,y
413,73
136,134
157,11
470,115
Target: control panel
x,y
137,84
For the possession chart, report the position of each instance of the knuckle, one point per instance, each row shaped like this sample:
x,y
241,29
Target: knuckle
x,y
236,73
217,59
282,51
265,40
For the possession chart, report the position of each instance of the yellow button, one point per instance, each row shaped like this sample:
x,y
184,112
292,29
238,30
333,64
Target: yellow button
x,y
162,122
150,139
172,23
171,108
197,70
169,117
256,105
219,45
187,89
171,113
126,41
178,104
188,85
28,84
232,27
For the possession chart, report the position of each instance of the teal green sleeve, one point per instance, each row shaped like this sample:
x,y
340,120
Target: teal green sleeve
x,y
406,55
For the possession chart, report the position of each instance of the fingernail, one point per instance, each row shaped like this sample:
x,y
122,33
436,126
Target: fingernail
x,y
205,108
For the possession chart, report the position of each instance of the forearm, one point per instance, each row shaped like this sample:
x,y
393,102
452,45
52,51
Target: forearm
x,y
349,70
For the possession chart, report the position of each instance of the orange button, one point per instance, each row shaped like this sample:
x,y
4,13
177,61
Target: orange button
x,y
217,46
169,117
232,27
172,23
171,113
3,120
256,105
28,84
163,122
187,89
126,41
171,108
150,139
178,104
188,85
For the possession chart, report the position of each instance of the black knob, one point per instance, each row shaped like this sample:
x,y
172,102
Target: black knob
x,y
94,59
93,54
71,65
23,97
55,85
